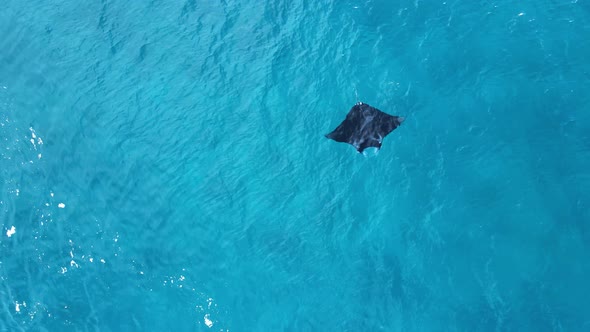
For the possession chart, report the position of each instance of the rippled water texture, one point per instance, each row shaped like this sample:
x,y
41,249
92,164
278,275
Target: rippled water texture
x,y
164,166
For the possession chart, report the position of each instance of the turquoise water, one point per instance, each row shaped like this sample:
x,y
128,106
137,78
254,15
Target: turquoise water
x,y
164,167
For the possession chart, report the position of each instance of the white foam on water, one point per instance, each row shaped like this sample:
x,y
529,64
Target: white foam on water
x,y
11,231
208,321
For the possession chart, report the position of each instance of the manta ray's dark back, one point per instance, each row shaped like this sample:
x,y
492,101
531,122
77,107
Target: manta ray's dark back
x,y
365,126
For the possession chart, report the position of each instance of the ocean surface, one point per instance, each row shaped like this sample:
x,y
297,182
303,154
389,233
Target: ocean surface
x,y
163,166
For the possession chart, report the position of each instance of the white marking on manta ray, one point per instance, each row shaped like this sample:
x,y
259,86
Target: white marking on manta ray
x,y
366,120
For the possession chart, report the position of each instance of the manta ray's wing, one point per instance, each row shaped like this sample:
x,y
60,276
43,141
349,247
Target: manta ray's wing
x,y
349,129
380,126
342,133
386,124
365,126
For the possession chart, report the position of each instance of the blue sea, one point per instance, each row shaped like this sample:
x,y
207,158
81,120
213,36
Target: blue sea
x,y
164,167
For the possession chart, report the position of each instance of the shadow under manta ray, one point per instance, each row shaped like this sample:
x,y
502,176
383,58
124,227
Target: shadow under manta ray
x,y
365,126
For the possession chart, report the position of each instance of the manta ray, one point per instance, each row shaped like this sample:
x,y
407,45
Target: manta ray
x,y
365,126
